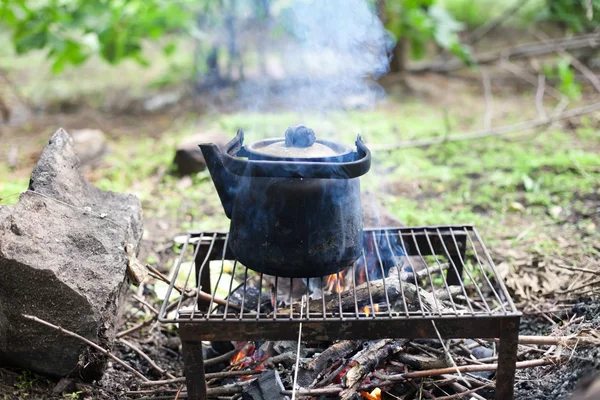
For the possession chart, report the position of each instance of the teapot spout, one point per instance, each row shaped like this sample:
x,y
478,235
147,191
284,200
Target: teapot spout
x,y
224,181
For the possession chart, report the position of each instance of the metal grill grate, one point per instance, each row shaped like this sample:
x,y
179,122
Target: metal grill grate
x,y
417,282
450,261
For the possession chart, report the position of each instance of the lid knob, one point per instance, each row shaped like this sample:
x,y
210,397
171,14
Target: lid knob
x,y
299,136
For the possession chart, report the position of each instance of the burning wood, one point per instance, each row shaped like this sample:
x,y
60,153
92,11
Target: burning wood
x,y
402,296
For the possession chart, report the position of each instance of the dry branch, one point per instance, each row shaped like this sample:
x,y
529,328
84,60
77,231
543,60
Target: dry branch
x,y
464,369
337,351
89,342
591,40
365,362
499,131
211,375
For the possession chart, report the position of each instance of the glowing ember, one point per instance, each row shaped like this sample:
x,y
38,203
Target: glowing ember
x,y
241,355
374,395
336,283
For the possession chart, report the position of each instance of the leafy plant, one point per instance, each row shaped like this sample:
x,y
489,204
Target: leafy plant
x,y
421,22
562,71
73,30
577,15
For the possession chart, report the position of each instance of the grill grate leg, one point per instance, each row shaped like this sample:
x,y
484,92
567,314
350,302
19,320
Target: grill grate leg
x,y
507,359
194,369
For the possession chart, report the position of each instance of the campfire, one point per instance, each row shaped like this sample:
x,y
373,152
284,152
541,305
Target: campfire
x,y
337,336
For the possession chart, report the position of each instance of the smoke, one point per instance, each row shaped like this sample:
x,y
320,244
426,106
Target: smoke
x,y
328,58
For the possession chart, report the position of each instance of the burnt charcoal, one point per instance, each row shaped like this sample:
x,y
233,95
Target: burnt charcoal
x,y
481,352
222,347
266,387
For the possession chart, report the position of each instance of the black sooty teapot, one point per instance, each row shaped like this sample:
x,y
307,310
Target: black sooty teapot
x,y
294,202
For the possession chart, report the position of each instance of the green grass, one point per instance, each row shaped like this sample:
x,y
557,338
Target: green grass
x,y
458,182
477,12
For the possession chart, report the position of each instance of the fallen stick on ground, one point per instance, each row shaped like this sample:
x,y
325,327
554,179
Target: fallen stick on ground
x,y
499,131
464,369
89,342
210,375
556,340
591,40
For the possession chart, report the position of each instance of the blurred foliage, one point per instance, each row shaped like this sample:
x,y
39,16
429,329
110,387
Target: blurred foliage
x,y
422,21
73,30
565,75
577,15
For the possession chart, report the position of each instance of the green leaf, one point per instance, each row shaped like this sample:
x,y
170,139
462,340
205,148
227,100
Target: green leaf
x,y
169,49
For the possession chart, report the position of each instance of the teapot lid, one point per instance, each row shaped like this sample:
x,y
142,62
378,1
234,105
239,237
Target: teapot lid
x,y
299,142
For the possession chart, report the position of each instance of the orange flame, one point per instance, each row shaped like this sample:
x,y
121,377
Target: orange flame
x,y
367,309
374,395
336,283
242,354
239,356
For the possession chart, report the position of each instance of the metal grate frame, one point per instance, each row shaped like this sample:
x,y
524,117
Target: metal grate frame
x,y
450,260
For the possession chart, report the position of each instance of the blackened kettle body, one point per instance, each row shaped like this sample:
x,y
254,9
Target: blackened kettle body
x,y
294,203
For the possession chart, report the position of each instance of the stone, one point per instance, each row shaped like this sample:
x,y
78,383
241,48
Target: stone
x,y
188,156
90,145
63,259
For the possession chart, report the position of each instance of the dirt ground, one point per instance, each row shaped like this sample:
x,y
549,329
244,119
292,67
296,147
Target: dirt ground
x,y
540,303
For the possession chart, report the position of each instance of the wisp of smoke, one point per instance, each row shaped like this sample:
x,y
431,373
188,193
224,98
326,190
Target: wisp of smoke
x,y
330,57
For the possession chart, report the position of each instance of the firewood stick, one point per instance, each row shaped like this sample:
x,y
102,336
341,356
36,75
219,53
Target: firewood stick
x,y
337,351
464,368
89,342
365,362
376,289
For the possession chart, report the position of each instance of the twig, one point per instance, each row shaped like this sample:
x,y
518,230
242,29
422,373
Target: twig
x,y
483,30
147,358
587,270
581,67
530,78
487,91
464,368
555,340
89,342
190,292
135,328
178,392
591,40
503,130
144,302
222,358
576,288
213,375
539,96
463,393
447,352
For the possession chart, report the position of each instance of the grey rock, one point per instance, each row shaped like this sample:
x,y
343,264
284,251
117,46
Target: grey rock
x,y
63,259
90,145
188,157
